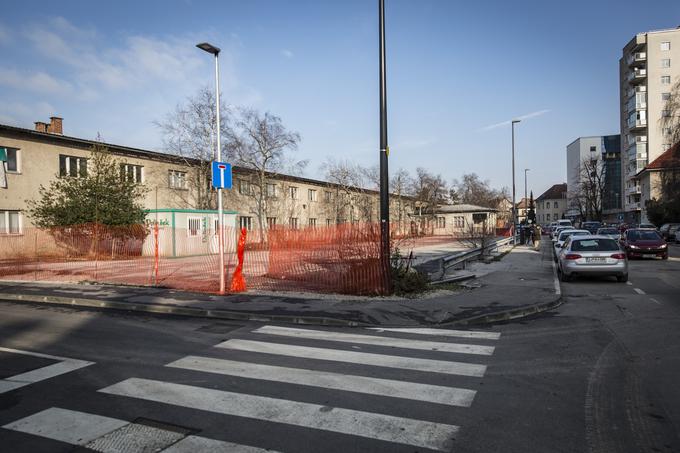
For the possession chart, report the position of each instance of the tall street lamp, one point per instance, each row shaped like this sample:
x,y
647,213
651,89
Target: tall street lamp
x,y
384,151
526,212
220,223
514,205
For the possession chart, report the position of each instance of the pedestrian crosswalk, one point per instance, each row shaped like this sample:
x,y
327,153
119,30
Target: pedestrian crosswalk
x,y
394,369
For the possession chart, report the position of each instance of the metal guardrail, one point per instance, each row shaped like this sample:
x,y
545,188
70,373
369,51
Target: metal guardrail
x,y
463,257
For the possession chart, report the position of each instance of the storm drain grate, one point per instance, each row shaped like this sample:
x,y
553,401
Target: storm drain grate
x,y
142,436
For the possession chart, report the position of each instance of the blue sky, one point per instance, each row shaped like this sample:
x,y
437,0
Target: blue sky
x,y
457,71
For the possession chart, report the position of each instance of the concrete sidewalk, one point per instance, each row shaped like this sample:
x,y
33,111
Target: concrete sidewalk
x,y
521,284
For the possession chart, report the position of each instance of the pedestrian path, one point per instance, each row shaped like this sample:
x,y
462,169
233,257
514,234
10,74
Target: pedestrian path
x,y
406,380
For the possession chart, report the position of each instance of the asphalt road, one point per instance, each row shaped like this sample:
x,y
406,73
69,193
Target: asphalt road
x,y
597,375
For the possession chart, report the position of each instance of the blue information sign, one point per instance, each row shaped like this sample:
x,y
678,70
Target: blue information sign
x,y
221,175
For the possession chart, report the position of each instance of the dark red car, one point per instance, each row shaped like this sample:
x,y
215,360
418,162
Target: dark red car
x,y
644,243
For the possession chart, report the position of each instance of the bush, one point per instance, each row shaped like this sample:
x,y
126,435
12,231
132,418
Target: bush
x,y
406,280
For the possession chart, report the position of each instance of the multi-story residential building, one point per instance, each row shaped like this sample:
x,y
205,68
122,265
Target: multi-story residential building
x,y
648,68
551,204
603,149
522,210
31,158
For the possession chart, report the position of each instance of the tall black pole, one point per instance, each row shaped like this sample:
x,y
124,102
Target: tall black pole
x,y
384,153
514,205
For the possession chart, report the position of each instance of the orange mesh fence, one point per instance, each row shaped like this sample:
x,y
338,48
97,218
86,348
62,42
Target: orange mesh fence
x,y
340,258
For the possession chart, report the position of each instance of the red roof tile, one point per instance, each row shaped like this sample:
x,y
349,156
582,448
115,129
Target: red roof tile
x,y
669,159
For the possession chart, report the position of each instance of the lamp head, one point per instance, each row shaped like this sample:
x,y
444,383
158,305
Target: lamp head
x,y
208,48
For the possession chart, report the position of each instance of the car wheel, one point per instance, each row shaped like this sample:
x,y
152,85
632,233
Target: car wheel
x,y
622,278
665,257
564,277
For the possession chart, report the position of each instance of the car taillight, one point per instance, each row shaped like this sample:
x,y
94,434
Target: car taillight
x,y
619,256
572,256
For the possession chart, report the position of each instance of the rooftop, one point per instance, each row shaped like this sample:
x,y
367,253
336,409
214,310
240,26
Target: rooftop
x,y
556,192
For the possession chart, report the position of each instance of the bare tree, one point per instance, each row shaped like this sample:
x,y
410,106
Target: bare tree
x,y
588,195
472,190
401,185
670,120
261,143
190,132
429,191
346,180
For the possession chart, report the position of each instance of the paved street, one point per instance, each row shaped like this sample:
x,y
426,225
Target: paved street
x,y
598,374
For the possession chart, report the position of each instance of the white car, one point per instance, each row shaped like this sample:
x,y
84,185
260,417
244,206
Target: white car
x,y
564,235
559,229
677,236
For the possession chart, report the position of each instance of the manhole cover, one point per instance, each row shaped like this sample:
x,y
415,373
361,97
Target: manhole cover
x,y
143,436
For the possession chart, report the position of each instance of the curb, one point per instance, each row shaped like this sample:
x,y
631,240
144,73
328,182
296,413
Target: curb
x,y
507,315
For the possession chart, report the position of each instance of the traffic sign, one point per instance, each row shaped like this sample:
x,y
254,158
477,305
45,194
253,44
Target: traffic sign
x,y
221,175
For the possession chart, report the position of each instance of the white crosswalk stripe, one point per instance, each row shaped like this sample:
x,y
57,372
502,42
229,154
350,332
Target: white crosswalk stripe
x,y
364,358
87,430
95,431
418,433
351,383
441,332
376,340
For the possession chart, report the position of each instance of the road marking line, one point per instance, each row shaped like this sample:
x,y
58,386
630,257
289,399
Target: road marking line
x,y
556,281
441,332
351,383
363,358
418,433
65,365
81,428
77,428
655,301
639,291
375,340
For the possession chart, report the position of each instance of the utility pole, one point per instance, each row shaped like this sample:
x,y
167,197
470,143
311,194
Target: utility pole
x,y
526,207
514,202
384,153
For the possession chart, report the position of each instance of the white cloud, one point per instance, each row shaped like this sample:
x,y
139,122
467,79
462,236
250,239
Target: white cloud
x,y
38,82
506,123
287,53
23,113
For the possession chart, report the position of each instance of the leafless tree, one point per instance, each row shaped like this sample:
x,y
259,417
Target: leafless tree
x,y
670,120
190,132
587,196
346,181
261,143
429,191
400,187
472,190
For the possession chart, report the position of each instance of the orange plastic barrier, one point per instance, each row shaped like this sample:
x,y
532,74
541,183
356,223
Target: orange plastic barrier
x,y
238,283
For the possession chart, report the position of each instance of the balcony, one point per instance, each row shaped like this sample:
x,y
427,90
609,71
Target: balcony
x,y
637,75
636,124
633,206
637,58
636,89
633,190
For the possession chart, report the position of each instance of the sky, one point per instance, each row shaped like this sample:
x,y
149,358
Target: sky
x,y
457,73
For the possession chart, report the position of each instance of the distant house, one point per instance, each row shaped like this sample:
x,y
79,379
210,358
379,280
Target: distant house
x,y
650,178
552,204
456,220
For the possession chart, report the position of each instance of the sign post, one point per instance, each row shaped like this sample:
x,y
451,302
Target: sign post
x,y
221,179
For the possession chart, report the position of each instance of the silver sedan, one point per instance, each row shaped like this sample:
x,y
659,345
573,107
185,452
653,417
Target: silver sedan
x,y
592,255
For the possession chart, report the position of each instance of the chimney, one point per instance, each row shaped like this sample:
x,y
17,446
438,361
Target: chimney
x,y
40,126
55,126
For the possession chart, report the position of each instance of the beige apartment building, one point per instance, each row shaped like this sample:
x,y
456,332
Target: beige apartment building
x,y
648,68
32,158
551,205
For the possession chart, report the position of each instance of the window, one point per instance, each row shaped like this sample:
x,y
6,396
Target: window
x,y
72,166
665,79
665,113
293,223
328,196
666,131
459,221
593,149
547,217
312,222
665,45
666,63
177,179
244,187
11,158
10,222
329,222
293,191
271,222
133,173
665,96
245,222
441,222
271,190
312,194
194,226
555,206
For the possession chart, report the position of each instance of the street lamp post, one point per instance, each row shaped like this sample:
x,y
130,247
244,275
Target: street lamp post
x,y
384,151
220,221
514,205
526,215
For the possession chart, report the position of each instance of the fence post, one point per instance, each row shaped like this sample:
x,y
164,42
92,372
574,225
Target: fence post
x,y
155,254
35,254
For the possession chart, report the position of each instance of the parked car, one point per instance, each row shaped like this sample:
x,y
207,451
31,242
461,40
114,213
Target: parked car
x,y
564,235
644,243
557,230
611,232
591,226
592,255
648,226
677,236
667,231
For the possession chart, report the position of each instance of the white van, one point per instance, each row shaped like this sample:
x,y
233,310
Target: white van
x,y
564,222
